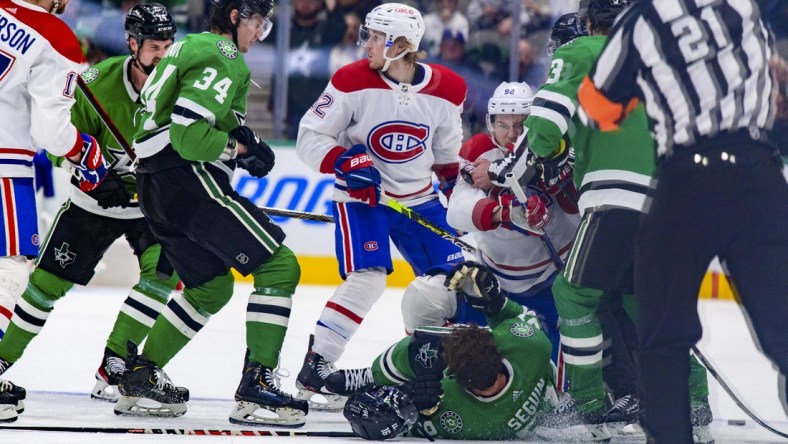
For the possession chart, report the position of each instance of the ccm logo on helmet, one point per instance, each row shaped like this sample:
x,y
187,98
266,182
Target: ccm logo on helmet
x,y
404,11
398,141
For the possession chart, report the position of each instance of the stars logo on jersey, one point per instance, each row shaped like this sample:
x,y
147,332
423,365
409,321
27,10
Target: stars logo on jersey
x,y
228,49
451,422
398,141
63,256
521,330
90,75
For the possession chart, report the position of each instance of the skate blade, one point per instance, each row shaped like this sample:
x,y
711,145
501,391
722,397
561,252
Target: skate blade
x,y
249,413
575,433
702,435
630,432
8,412
323,402
104,392
134,406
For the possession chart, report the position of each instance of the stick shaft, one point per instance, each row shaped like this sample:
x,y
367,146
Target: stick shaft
x,y
105,119
303,215
424,222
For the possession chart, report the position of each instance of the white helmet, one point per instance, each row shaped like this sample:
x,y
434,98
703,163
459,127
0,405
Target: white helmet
x,y
395,20
509,98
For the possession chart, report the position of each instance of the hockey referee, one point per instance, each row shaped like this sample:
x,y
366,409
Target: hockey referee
x,y
701,67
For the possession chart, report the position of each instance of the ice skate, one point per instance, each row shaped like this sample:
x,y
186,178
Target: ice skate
x,y
261,402
145,390
345,382
8,402
19,394
623,419
701,416
312,379
108,377
567,424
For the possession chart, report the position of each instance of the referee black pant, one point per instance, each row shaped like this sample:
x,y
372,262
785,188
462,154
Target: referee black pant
x,y
730,202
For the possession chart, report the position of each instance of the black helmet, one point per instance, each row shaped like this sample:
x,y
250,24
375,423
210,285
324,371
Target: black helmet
x,y
601,13
567,28
149,21
380,413
219,17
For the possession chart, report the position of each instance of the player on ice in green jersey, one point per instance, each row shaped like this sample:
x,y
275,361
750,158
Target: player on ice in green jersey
x,y
89,222
190,136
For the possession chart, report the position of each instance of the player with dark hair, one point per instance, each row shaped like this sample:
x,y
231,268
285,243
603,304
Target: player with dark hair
x,y
190,136
39,61
383,125
90,221
471,382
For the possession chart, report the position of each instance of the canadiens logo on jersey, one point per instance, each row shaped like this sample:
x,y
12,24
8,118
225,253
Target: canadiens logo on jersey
x,y
398,141
228,49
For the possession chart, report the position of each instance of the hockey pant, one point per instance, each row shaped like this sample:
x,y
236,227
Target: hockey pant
x,y
267,313
44,289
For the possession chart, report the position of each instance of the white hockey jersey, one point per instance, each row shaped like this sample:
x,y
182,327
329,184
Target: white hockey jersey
x,y
410,130
519,261
39,61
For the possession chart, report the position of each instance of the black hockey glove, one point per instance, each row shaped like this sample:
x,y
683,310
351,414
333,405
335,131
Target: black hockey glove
x,y
259,158
478,286
426,392
557,167
111,192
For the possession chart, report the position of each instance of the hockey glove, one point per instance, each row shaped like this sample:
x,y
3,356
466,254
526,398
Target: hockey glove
x,y
111,192
512,212
259,158
355,167
478,286
92,167
556,168
426,392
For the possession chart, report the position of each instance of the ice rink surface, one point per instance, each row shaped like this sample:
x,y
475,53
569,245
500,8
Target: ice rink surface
x,y
58,367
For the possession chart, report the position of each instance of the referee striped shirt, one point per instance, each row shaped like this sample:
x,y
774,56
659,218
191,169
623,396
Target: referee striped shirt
x,y
700,66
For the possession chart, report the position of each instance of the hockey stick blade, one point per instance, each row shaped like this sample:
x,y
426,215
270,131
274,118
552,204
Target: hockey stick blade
x,y
733,395
426,223
176,431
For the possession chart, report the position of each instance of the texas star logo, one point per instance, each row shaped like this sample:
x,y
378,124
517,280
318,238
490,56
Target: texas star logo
x,y
427,355
89,74
521,330
227,49
398,141
63,256
451,422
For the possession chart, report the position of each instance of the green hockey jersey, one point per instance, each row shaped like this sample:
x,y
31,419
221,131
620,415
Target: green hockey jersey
x,y
507,415
193,99
110,82
612,169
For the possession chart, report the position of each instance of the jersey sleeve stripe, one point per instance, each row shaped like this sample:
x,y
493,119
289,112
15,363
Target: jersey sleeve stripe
x,y
193,110
542,97
555,117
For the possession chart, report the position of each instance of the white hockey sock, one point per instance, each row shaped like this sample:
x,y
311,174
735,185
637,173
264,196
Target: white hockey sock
x,y
344,312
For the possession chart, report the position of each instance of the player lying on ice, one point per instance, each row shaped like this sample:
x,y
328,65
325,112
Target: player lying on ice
x,y
446,381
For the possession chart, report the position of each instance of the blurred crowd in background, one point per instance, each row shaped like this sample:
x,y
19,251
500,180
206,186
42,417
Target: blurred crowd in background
x,y
472,37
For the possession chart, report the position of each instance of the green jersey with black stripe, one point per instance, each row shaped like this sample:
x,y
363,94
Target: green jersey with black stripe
x,y
612,169
510,414
110,82
193,99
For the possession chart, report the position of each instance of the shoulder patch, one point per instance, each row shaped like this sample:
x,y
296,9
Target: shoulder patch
x,y
228,49
451,422
521,330
90,75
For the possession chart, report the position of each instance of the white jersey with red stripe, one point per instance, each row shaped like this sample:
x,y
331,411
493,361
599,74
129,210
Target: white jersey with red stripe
x,y
409,129
39,61
520,262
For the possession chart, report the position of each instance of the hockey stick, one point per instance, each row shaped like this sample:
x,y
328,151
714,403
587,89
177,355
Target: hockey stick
x,y
113,129
424,222
105,119
303,215
733,395
519,193
163,431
